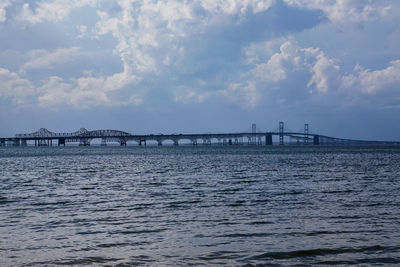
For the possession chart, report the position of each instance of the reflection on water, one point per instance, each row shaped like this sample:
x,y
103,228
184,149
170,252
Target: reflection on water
x,y
203,205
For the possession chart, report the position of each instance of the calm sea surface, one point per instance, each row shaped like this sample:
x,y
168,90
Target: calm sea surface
x,y
180,206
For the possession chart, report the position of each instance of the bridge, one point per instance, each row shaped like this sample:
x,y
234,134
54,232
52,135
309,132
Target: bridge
x,y
83,137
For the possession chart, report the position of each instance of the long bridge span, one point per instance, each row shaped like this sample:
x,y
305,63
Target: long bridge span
x,y
83,137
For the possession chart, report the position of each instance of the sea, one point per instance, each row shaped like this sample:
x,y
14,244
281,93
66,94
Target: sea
x,y
200,206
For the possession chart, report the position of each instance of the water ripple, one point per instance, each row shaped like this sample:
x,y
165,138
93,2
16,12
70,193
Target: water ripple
x,y
168,206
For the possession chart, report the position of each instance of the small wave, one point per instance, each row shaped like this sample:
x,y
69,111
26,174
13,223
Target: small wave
x,y
110,245
145,231
377,261
220,255
89,232
237,203
78,262
236,235
87,188
243,182
316,252
5,200
260,222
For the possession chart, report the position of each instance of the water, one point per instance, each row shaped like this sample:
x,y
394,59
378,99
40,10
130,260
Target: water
x,y
180,206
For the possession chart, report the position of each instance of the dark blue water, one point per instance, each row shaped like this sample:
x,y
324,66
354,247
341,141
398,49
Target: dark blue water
x,y
180,206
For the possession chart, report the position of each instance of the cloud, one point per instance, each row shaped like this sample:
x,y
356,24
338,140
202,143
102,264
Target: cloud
x,y
146,32
14,87
82,31
275,69
325,71
372,82
41,58
3,5
58,92
55,10
288,64
153,34
274,74
87,91
166,46
345,10
236,7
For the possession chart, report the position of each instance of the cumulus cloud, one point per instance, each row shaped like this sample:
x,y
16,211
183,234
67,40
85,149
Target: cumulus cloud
x,y
59,92
275,74
345,10
275,69
39,59
12,86
55,10
154,39
325,71
374,81
3,5
146,32
291,60
151,34
87,91
236,7
82,31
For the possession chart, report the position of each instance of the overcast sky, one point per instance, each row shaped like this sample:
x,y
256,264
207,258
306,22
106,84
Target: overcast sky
x,y
201,66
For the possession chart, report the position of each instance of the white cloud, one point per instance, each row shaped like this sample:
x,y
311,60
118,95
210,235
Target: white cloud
x,y
41,58
292,58
14,87
345,10
147,32
82,31
156,38
3,5
246,95
185,94
325,71
268,76
236,7
87,91
58,92
55,10
150,33
275,69
374,81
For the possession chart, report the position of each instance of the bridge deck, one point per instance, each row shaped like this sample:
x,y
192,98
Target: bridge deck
x,y
84,137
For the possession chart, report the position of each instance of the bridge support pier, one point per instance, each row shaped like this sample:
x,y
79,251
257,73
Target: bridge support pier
x,y
16,142
142,142
249,140
194,142
176,143
61,141
24,143
84,142
159,142
207,142
3,142
281,130
316,140
268,139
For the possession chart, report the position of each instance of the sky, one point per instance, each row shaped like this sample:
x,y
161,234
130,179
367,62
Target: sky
x,y
199,66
